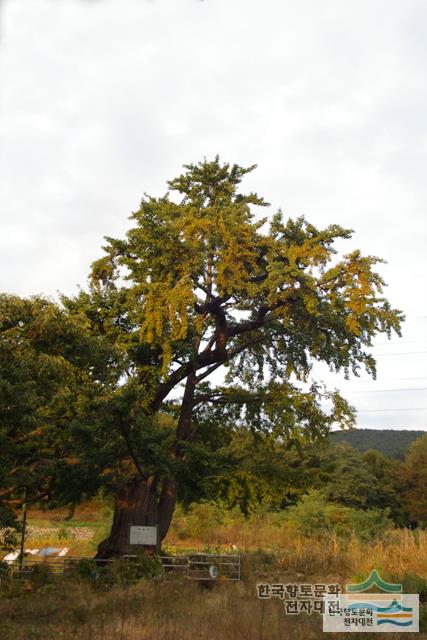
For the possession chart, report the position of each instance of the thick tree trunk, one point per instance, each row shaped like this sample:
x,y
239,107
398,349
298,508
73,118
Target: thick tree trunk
x,y
146,501
166,507
138,503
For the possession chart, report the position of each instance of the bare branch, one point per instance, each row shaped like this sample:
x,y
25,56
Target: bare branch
x,y
202,287
224,398
208,372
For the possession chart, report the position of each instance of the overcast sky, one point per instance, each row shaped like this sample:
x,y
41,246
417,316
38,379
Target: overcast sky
x,y
103,100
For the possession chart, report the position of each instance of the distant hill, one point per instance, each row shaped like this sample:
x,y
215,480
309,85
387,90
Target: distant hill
x,y
392,442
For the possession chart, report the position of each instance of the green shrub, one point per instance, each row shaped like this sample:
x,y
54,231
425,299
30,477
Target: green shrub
x,y
370,524
118,571
309,516
314,516
412,583
40,575
87,569
130,571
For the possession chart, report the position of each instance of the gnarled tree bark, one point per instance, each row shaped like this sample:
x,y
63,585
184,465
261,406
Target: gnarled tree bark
x,y
148,501
138,502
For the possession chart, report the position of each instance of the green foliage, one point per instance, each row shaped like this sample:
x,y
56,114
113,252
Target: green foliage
x,y
309,516
345,477
119,571
199,520
414,481
411,583
369,524
40,575
314,516
355,484
52,368
9,527
265,471
197,261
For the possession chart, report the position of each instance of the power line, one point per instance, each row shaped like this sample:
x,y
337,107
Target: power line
x,y
403,353
383,344
389,390
330,381
387,379
390,410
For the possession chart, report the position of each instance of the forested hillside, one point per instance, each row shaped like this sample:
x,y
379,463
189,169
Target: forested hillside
x,y
392,442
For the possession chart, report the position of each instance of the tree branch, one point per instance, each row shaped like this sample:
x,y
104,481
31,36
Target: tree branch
x,y
259,321
202,287
126,438
224,399
211,369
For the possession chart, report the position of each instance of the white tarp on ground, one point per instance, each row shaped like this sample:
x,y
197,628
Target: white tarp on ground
x,y
10,557
48,551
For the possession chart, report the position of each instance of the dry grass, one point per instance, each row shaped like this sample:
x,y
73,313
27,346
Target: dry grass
x,y
394,552
154,611
168,608
150,611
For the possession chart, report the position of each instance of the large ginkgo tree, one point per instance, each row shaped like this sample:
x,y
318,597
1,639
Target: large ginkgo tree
x,y
201,281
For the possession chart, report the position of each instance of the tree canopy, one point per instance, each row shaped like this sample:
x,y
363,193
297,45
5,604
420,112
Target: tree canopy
x,y
202,281
414,482
51,369
208,283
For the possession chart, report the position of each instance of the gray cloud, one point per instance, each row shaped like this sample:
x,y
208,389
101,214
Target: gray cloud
x,y
103,100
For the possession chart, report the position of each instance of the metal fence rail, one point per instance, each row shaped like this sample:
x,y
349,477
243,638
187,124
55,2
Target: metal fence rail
x,y
197,566
207,566
70,564
4,575
175,564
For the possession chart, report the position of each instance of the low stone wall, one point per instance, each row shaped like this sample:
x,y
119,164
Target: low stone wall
x,y
76,533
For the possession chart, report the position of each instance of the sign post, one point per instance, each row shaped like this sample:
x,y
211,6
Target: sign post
x,y
144,536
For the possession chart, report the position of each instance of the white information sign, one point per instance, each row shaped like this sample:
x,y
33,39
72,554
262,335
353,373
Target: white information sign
x,y
143,535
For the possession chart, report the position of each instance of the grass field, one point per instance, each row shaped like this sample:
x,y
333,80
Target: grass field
x,y
169,607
